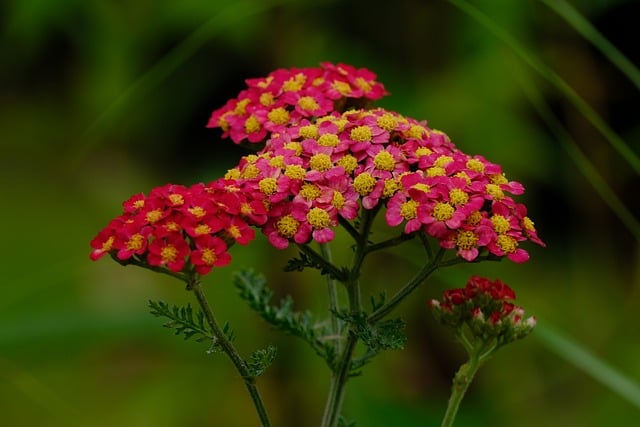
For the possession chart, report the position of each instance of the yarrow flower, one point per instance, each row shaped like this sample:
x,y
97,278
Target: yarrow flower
x,y
483,309
286,96
182,229
314,173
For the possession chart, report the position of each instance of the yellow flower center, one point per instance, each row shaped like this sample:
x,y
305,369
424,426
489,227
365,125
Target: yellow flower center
x,y
328,140
364,183
108,244
443,211
348,162
278,116
387,122
250,171
277,162
443,161
268,186
342,87
391,186
474,218
197,211
528,224
295,83
252,125
320,162
266,99
153,216
495,191
475,165
307,103
246,209
466,240
338,200
384,161
458,197
363,84
138,204
423,151
176,199
241,107
310,191
318,218
507,243
361,133
309,131
416,131
168,254
234,232
409,209
202,229
135,242
294,146
498,179
500,224
209,256
287,226
436,171
295,172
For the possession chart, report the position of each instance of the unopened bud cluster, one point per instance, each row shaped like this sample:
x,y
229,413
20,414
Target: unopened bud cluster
x,y
485,310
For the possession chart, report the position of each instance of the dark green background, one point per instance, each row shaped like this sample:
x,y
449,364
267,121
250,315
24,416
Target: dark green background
x,y
103,99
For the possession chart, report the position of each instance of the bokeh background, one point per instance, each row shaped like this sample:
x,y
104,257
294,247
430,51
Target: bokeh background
x,y
103,99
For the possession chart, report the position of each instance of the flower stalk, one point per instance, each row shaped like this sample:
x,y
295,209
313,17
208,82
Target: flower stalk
x,y
227,346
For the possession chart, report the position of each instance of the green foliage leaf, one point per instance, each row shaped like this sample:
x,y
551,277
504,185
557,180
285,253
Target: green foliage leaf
x,y
252,288
261,359
305,261
182,320
377,336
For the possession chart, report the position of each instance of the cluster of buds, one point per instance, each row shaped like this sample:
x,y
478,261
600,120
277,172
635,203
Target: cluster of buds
x,y
182,229
484,310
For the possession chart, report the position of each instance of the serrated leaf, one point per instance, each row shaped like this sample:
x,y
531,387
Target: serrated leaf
x,y
181,320
261,359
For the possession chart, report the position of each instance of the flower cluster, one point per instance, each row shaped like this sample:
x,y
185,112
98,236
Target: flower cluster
x,y
324,160
286,96
182,229
485,307
314,173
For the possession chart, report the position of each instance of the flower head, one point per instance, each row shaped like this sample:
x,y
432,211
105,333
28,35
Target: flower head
x,y
182,229
483,309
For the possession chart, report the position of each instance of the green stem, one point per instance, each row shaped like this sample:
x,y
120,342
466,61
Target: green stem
x,y
390,242
340,374
324,263
333,299
194,285
416,281
461,382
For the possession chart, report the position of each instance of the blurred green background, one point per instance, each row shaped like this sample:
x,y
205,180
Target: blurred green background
x,y
103,99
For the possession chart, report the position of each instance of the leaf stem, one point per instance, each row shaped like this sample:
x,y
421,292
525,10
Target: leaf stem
x,y
326,264
416,281
194,285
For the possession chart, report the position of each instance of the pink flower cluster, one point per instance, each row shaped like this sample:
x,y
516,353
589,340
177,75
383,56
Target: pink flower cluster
x,y
180,228
487,309
324,160
313,173
286,96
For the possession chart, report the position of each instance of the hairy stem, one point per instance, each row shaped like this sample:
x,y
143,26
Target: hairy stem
x,y
195,286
